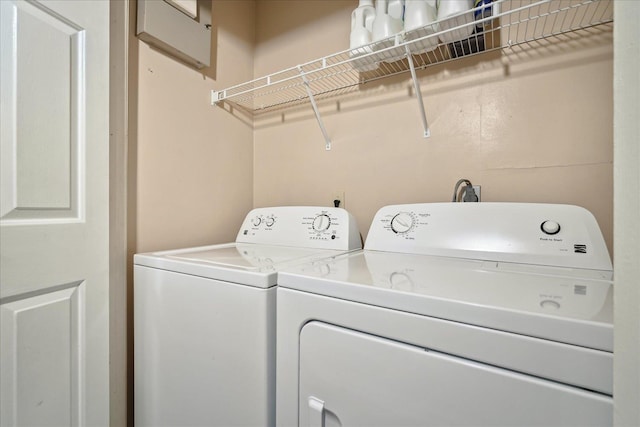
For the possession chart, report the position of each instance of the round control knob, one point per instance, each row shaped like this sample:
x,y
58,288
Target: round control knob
x,y
256,221
269,221
321,222
402,222
550,227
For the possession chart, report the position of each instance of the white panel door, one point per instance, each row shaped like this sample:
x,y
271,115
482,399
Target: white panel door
x,y
54,212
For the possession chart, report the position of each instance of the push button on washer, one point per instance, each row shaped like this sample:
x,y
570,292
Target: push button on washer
x,y
550,227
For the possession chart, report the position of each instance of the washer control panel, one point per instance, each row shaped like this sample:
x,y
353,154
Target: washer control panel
x,y
301,226
529,233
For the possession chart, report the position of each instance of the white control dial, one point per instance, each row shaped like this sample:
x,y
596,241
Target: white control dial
x,y
550,227
269,221
256,221
402,222
321,222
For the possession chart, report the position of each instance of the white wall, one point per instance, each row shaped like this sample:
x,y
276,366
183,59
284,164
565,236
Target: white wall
x,y
627,214
194,162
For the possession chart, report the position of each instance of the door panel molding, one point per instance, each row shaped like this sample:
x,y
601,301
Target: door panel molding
x,y
43,163
43,357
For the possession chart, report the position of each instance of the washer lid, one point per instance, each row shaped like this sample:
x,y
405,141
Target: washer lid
x,y
556,303
243,263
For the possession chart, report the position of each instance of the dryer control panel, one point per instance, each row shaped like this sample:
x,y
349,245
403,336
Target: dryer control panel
x,y
301,226
528,233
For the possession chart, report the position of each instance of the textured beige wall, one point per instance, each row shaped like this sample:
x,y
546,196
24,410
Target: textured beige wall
x,y
533,126
194,161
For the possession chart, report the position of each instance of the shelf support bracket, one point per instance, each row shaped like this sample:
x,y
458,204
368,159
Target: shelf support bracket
x,y
327,140
416,88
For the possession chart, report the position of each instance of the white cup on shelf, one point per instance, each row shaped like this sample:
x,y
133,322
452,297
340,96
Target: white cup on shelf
x,y
451,14
419,18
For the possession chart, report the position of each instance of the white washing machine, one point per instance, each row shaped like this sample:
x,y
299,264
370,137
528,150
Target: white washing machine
x,y
454,314
204,318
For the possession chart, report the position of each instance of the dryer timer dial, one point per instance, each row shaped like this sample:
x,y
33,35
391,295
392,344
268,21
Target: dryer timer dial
x,y
402,223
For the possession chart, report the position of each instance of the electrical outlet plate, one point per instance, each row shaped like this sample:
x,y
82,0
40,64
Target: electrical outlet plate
x,y
338,195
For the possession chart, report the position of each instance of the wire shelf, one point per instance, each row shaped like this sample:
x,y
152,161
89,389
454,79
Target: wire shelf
x,y
509,23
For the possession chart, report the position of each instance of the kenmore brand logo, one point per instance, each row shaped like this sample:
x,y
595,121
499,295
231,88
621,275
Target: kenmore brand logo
x,y
580,249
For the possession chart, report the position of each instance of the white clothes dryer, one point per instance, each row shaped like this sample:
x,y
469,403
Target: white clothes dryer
x,y
204,318
454,314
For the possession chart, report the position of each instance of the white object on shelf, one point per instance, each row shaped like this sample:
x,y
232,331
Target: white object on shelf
x,y
360,37
457,16
387,25
419,18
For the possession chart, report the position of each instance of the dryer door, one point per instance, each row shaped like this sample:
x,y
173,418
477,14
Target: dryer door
x,y
350,378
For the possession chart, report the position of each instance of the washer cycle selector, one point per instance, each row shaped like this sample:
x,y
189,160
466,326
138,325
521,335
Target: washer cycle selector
x,y
402,223
550,227
269,221
321,222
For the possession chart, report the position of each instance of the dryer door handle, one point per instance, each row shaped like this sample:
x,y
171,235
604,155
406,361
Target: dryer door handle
x,y
316,412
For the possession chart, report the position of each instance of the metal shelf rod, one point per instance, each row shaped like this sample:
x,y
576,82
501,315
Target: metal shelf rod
x,y
327,140
416,88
